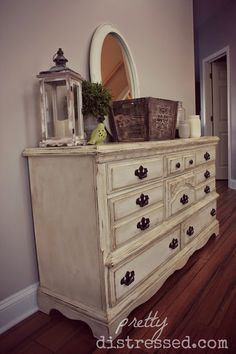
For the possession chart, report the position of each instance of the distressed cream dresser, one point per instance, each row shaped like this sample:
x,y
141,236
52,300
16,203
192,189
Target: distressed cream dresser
x,y
113,222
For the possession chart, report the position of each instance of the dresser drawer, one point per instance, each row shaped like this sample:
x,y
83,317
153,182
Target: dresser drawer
x,y
205,174
180,193
182,200
125,174
130,203
179,163
189,161
136,270
205,155
205,189
138,225
195,224
175,164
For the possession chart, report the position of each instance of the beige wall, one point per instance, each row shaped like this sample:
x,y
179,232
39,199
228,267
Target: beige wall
x,y
160,35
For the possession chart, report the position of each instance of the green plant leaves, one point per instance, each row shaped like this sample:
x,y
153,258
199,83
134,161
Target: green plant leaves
x,y
96,99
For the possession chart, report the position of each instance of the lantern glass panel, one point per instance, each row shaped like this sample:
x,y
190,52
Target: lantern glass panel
x,y
77,105
49,111
57,109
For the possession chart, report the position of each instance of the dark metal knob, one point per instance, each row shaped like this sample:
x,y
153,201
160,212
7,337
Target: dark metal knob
x,y
207,174
128,278
207,156
143,224
142,200
190,231
178,165
174,243
207,189
190,162
213,212
141,172
184,199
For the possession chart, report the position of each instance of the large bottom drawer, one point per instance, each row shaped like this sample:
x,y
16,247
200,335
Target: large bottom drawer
x,y
195,224
133,272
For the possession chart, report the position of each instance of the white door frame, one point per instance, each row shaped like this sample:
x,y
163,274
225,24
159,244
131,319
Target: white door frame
x,y
224,51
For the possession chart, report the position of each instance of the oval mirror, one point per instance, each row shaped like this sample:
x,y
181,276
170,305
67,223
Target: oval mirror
x,y
112,64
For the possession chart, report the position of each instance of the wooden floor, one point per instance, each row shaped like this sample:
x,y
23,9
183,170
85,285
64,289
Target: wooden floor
x,y
198,301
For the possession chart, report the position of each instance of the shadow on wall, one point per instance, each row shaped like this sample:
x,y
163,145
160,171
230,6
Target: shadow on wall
x,y
32,121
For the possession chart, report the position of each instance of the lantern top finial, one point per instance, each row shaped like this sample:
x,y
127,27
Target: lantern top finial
x,y
59,58
60,68
60,62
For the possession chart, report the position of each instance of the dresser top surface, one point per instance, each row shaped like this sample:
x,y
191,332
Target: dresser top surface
x,y
121,148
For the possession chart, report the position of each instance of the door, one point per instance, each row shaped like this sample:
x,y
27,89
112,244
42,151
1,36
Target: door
x,y
219,115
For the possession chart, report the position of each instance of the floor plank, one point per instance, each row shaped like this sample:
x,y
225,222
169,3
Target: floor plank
x,y
17,335
33,348
55,337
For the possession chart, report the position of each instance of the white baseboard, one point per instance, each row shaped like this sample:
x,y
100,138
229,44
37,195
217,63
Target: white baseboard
x,y
232,183
17,307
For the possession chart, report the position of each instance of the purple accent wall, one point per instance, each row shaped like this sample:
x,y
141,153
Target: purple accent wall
x,y
215,28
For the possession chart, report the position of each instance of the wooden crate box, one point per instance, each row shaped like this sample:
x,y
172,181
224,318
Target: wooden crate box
x,y
143,119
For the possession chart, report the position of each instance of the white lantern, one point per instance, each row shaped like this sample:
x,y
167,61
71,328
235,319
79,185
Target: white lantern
x,y
61,105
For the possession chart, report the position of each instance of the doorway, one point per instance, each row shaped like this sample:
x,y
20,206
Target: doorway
x,y
216,108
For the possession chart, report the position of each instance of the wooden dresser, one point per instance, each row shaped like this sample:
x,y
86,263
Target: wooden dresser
x,y
113,222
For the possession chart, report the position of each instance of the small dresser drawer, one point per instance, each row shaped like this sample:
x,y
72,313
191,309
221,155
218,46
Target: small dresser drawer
x,y
133,272
125,174
205,174
205,189
179,163
137,225
195,224
205,155
175,164
130,203
189,161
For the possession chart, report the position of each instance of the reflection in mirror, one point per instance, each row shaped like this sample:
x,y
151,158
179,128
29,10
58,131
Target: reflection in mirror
x,y
114,71
112,63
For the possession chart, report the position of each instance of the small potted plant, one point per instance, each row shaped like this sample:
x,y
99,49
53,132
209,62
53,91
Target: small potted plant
x,y
96,105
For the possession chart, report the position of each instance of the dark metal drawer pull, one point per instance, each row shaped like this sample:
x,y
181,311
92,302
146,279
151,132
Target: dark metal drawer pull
x,y
207,189
142,200
141,172
207,156
190,231
207,174
143,224
213,212
174,243
128,278
190,162
178,165
184,199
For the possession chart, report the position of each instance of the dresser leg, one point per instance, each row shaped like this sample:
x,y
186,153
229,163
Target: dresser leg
x,y
99,326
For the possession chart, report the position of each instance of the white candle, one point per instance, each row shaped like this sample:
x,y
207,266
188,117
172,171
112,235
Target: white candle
x,y
61,128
